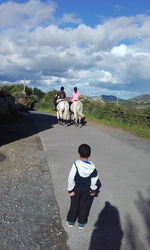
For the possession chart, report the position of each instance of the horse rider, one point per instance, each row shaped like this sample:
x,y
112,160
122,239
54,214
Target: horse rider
x,y
75,95
61,95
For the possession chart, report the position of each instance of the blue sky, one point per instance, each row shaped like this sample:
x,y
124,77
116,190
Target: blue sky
x,y
100,46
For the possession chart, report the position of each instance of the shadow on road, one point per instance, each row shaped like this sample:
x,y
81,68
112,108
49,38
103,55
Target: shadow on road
x,y
143,205
132,232
29,124
108,233
132,235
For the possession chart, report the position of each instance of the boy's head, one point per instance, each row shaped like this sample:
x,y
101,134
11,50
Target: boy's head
x,y
84,151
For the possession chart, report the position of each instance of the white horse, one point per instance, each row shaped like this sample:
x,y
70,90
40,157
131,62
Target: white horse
x,y
62,112
77,111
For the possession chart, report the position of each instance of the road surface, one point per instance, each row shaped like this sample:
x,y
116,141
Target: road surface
x,y
120,216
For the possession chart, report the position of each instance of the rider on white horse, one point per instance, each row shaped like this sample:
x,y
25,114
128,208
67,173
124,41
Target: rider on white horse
x,y
61,95
75,95
62,107
76,107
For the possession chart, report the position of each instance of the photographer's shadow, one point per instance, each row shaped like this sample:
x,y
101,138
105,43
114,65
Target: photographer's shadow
x,y
107,234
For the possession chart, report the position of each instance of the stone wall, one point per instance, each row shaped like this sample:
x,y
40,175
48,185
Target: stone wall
x,y
7,104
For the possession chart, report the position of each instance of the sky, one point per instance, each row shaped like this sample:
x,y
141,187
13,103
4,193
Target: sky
x,y
100,46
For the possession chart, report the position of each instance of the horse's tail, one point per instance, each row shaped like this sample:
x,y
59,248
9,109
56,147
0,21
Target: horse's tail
x,y
81,114
80,111
66,106
66,111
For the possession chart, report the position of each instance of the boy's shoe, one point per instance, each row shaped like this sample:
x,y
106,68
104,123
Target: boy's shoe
x,y
69,223
81,226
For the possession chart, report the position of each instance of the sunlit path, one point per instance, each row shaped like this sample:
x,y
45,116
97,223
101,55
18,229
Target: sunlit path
x,y
122,209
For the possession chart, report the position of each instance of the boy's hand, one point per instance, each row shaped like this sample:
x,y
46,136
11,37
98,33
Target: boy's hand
x,y
71,194
92,194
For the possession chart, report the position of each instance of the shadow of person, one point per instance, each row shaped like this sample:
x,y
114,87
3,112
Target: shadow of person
x,y
108,233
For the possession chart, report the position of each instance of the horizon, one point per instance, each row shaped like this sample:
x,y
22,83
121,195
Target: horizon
x,y
100,47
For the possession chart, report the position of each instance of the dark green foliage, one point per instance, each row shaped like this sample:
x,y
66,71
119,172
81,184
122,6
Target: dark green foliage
x,y
47,102
28,91
19,91
38,93
147,111
118,112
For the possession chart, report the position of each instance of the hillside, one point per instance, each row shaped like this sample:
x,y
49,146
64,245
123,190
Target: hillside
x,y
111,98
142,99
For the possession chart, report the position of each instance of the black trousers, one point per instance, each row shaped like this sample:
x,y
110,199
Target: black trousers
x,y
80,207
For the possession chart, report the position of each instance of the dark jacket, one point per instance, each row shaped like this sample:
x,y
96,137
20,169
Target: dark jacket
x,y
61,95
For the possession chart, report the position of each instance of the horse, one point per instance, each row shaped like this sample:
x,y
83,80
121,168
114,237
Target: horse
x,y
63,112
77,111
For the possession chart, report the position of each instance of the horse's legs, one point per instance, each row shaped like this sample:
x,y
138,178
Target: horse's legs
x,y
58,117
76,118
79,120
61,117
66,118
72,118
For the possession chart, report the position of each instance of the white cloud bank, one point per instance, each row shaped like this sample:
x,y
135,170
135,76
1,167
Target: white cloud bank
x,y
111,58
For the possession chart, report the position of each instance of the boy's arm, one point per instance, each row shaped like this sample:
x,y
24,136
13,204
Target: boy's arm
x,y
71,182
95,183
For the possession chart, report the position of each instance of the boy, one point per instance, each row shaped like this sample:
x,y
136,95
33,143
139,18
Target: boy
x,y
83,185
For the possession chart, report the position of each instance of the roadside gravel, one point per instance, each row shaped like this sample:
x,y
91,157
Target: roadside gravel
x,y
29,214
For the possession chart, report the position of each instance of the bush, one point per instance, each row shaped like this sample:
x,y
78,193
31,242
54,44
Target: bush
x,y
47,102
118,112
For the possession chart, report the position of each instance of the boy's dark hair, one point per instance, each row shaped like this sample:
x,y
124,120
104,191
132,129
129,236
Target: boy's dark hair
x,y
62,88
84,150
75,89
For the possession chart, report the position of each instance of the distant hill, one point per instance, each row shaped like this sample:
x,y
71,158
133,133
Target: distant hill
x,y
141,99
112,98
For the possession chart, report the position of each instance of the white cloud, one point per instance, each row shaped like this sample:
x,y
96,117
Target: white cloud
x,y
113,53
121,50
70,18
27,14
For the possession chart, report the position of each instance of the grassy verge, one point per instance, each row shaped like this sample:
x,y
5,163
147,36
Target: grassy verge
x,y
136,130
46,110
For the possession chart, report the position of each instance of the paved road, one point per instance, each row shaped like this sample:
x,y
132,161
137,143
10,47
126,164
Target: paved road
x,y
121,214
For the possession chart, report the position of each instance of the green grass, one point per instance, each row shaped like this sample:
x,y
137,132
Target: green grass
x,y
46,110
143,132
